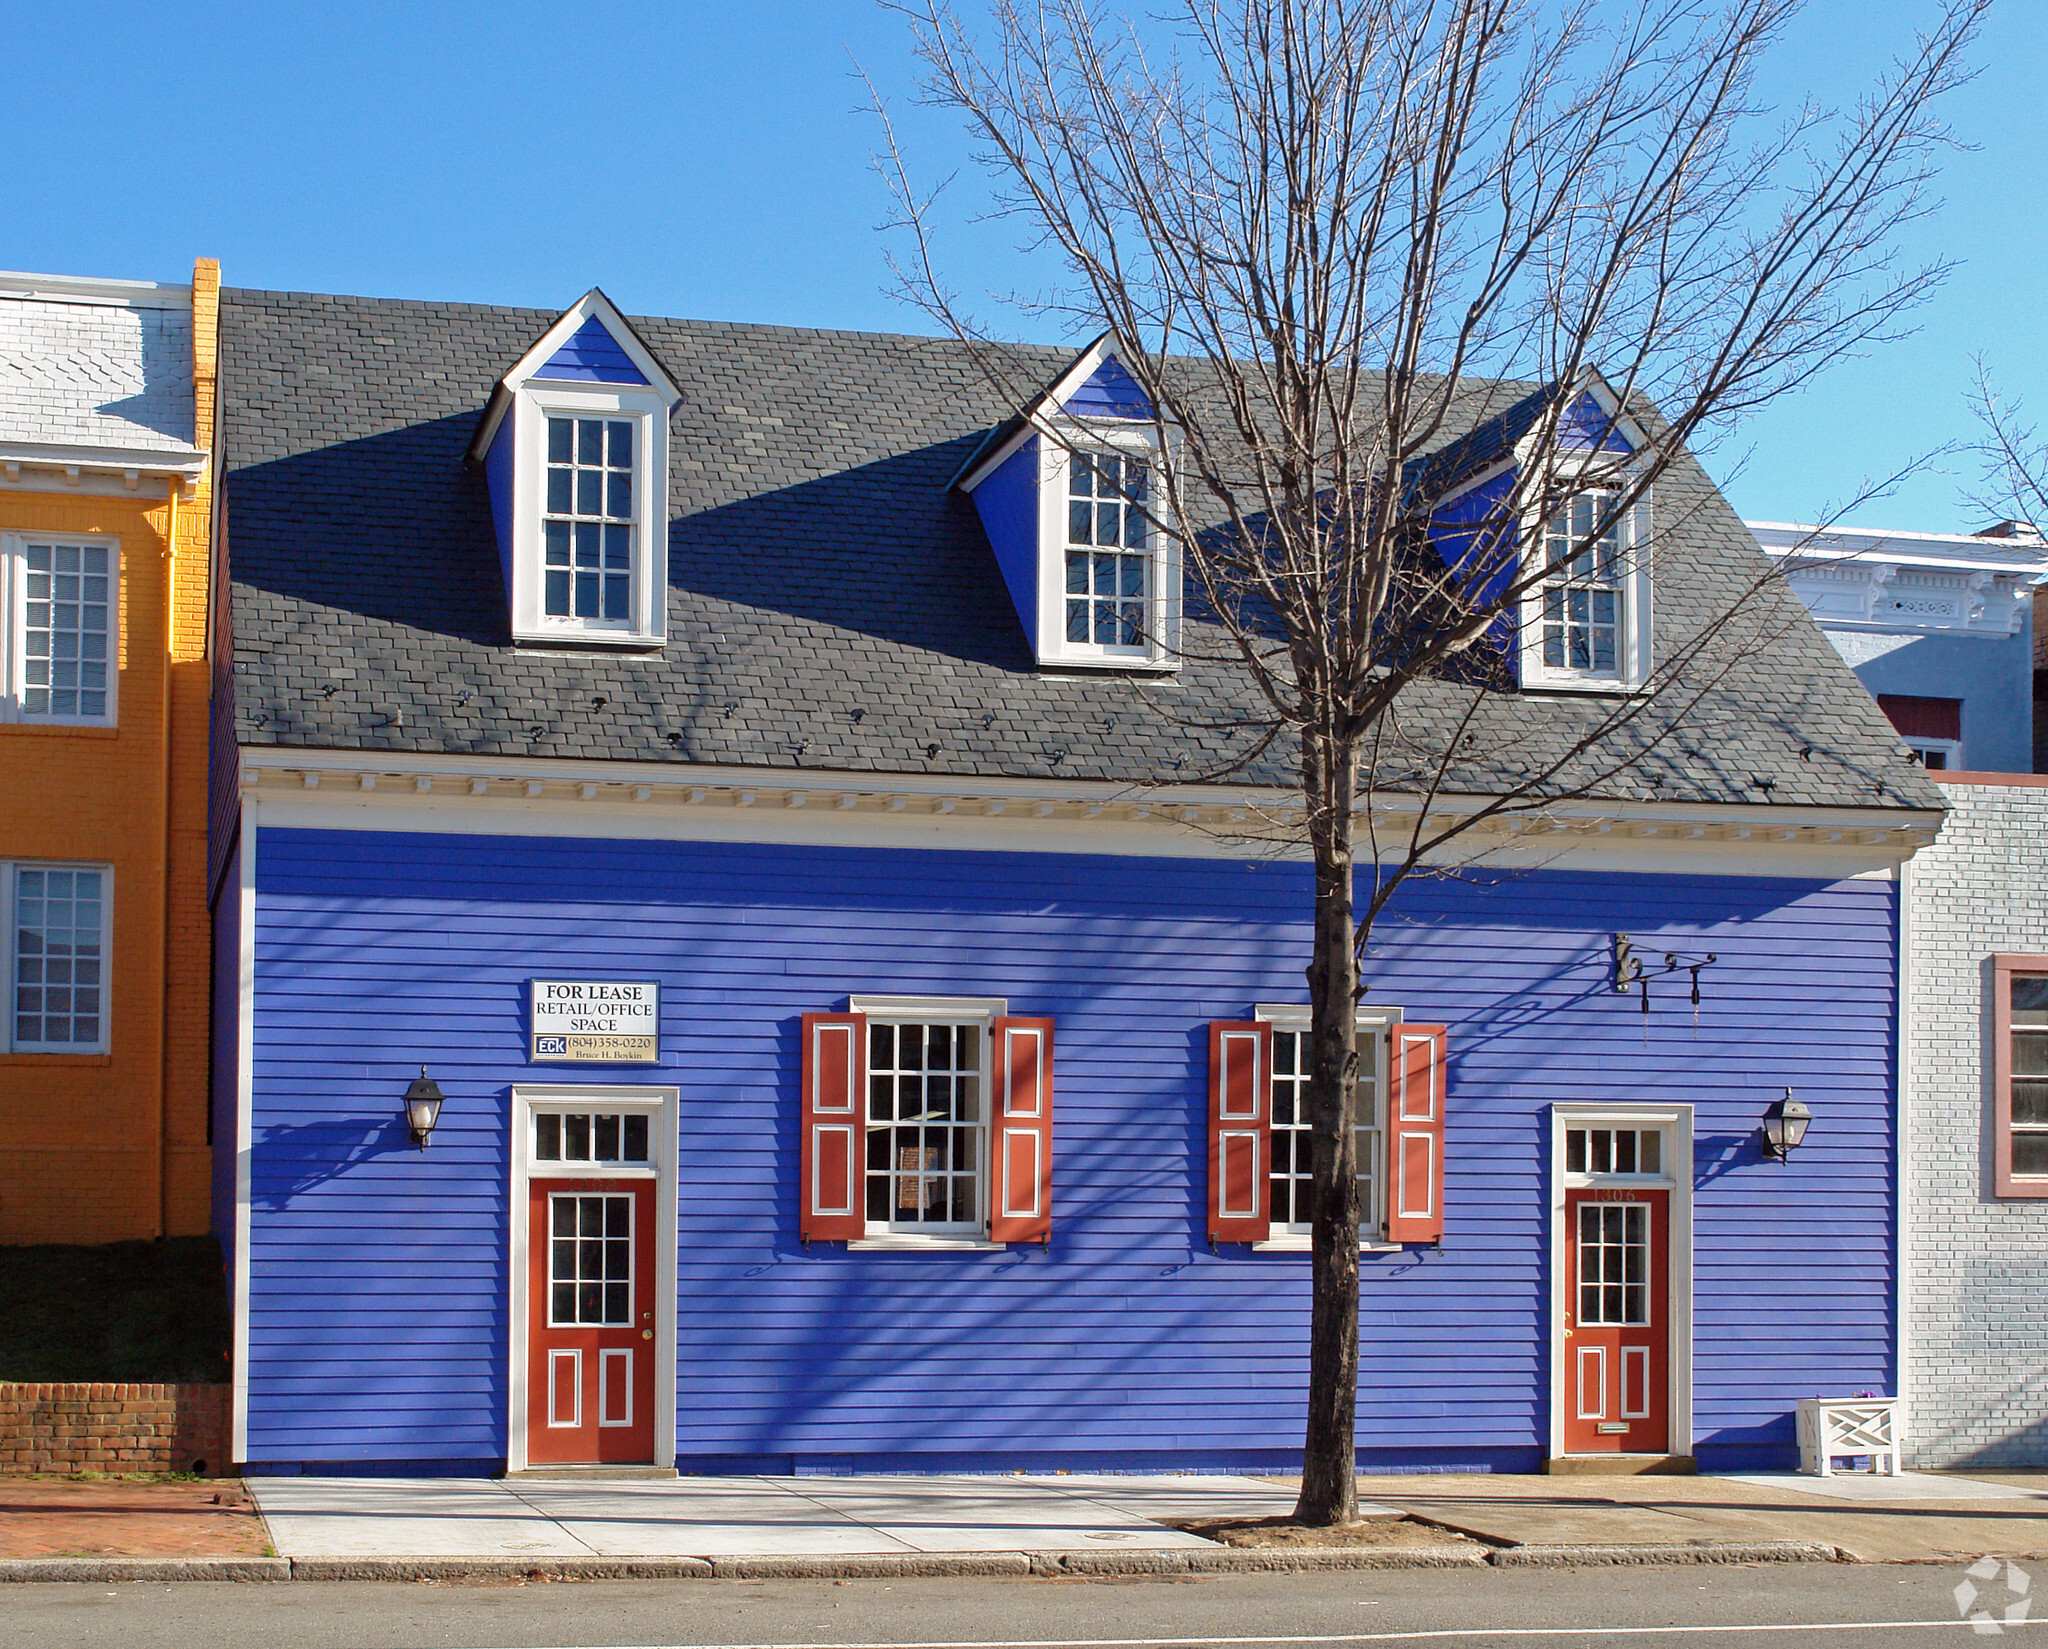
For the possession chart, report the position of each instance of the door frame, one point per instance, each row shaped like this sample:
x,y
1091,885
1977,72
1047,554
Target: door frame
x,y
1677,1121
659,1104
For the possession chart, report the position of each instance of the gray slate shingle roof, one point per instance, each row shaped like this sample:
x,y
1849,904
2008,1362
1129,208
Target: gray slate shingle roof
x,y
831,604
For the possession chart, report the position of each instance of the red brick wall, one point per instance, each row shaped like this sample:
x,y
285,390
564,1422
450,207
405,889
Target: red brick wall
x,y
113,1429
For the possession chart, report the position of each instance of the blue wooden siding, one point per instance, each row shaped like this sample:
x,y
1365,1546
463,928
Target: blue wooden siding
x,y
592,355
224,1075
1586,424
378,1305
1110,392
500,477
1007,502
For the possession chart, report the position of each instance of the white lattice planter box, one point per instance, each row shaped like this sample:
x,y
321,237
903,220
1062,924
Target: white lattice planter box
x,y
1833,1426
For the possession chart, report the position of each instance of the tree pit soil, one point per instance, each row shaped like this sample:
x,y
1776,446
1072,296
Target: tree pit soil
x,y
1388,1532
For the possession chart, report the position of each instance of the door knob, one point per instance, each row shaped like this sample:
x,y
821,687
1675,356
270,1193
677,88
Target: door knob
x,y
647,1334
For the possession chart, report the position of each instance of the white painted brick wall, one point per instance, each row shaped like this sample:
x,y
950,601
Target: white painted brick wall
x,y
1977,1268
104,375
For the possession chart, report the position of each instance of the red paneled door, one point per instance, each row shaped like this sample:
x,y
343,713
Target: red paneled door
x,y
590,1322
1617,1322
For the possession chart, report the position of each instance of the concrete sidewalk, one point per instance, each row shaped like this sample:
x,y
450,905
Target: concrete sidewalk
x,y
1917,1518
330,1517
760,1527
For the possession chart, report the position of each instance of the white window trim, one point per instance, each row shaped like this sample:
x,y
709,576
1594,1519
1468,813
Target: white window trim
x,y
14,605
539,1104
1290,1016
1057,439
984,1011
536,400
1633,669
7,968
1950,750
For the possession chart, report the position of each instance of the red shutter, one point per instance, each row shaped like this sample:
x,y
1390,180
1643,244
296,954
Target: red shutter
x,y
834,1131
1240,1130
1020,1132
1415,1134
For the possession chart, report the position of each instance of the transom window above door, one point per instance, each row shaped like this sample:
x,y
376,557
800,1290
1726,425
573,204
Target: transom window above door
x,y
1614,1151
590,1136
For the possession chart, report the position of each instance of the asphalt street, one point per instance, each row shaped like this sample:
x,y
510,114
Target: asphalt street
x,y
1842,1606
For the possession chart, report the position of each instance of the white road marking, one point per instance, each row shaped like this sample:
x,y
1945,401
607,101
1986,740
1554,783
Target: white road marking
x,y
1348,1637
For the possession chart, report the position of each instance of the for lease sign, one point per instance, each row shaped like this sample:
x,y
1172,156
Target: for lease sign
x,y
595,1021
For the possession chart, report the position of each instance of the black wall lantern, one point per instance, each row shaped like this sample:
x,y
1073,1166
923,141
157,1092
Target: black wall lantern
x,y
1785,1125
422,1107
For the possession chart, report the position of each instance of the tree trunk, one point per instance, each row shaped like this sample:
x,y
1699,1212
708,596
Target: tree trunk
x,y
1329,1480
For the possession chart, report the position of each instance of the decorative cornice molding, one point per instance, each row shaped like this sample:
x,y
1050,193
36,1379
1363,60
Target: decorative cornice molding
x,y
639,793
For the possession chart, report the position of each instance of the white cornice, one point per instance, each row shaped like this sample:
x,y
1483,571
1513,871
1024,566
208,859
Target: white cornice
x,y
88,289
45,466
540,796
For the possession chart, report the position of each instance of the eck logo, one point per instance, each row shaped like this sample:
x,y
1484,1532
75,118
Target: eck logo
x,y
545,1045
1976,1600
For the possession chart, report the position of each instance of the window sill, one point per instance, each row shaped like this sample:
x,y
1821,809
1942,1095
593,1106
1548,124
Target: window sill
x,y
927,1245
1306,1245
587,641
1597,685
1057,666
75,1061
69,730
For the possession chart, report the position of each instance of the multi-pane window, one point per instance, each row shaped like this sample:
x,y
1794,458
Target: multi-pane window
x,y
1108,572
924,1125
1582,593
1292,1204
2029,1075
590,1261
590,1137
1614,1151
62,628
588,530
58,940
1614,1263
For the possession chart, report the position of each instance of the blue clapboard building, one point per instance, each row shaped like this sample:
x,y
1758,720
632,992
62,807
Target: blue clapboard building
x,y
746,777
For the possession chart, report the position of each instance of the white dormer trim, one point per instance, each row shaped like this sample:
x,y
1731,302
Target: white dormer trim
x,y
1035,419
1059,436
1159,651
519,410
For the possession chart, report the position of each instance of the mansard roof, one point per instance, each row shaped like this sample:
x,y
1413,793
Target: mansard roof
x,y
832,602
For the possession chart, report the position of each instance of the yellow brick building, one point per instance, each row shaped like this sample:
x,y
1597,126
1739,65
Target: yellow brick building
x,y
106,421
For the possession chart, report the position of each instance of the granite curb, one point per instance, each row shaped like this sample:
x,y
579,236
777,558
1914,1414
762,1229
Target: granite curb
x,y
891,1566
1754,1551
144,1568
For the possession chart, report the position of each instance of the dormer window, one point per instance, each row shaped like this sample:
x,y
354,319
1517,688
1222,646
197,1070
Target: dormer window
x,y
1108,555
1068,492
1583,624
1583,598
587,536
575,447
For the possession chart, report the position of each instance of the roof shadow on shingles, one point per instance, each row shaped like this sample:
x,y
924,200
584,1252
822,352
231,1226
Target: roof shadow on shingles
x,y
809,551
302,527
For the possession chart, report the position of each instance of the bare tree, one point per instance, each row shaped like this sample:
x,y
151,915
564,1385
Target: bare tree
x,y
1342,245
2014,485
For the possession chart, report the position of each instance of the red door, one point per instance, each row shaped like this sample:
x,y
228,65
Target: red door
x,y
590,1322
1617,1323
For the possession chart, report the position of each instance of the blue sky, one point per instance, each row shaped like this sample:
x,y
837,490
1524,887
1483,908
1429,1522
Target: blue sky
x,y
711,161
